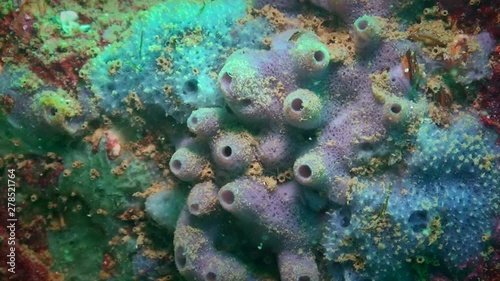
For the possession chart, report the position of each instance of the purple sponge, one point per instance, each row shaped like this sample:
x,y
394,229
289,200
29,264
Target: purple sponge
x,y
276,150
254,83
196,257
247,86
298,266
303,109
202,199
310,170
187,164
309,54
277,213
279,222
205,122
233,151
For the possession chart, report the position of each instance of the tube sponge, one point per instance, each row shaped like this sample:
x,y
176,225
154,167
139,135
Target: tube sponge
x,y
202,199
298,266
205,122
398,113
275,150
233,151
197,260
310,55
196,257
367,29
303,109
239,197
395,112
310,170
187,164
279,220
237,69
276,214
244,87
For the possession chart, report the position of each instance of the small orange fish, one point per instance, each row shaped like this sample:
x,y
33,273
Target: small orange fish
x,y
410,66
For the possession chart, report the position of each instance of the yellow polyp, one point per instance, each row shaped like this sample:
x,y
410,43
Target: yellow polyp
x,y
379,94
57,105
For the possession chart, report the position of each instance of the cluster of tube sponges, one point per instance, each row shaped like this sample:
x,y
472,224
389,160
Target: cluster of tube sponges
x,y
289,114
229,163
279,117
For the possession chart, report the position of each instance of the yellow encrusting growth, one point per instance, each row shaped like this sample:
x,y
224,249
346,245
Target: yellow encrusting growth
x,y
58,106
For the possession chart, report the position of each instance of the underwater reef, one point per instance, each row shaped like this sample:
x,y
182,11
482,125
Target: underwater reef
x,y
214,140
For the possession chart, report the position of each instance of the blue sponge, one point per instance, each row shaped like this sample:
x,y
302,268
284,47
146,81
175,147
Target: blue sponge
x,y
172,56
